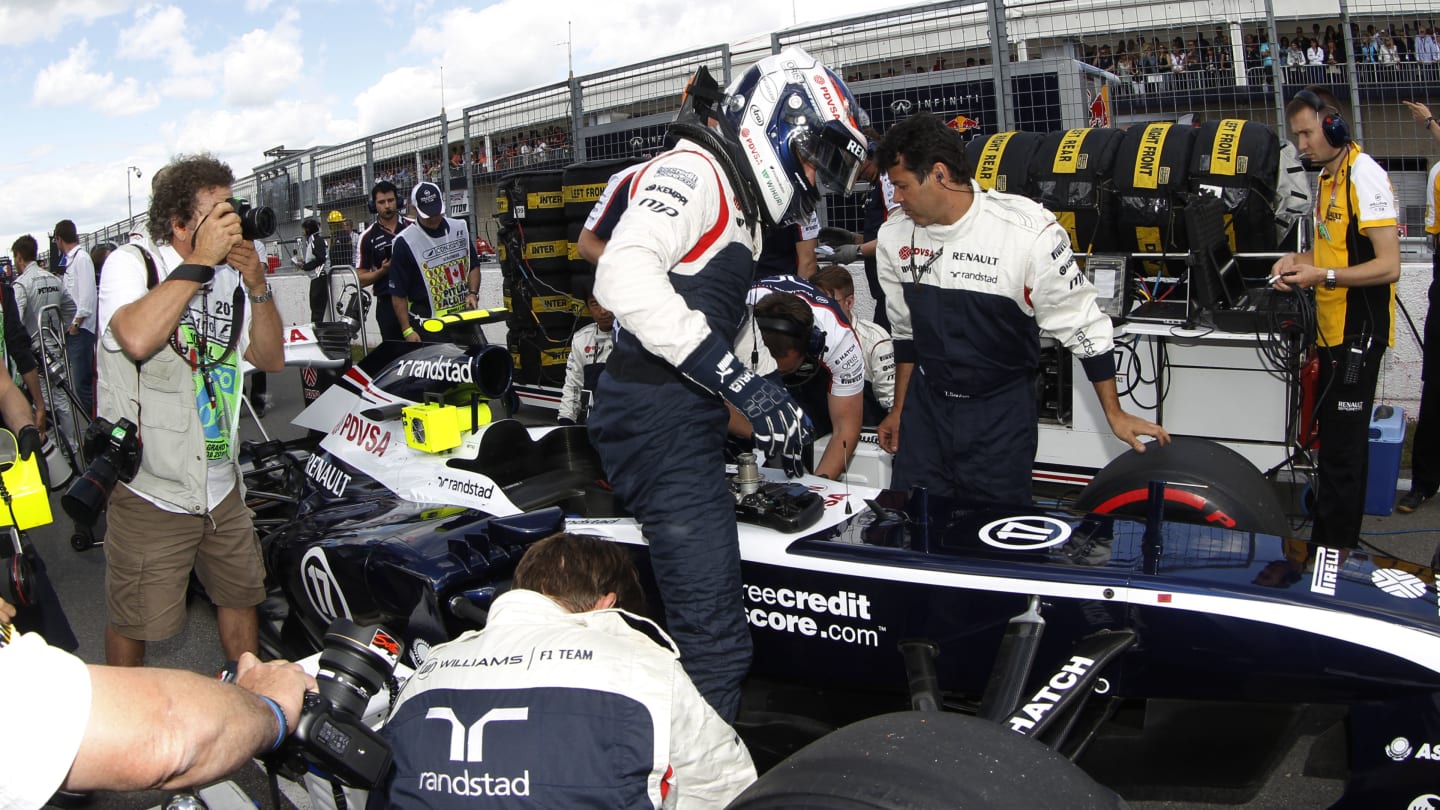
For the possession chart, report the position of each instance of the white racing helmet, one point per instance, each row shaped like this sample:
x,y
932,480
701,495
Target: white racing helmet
x,y
785,111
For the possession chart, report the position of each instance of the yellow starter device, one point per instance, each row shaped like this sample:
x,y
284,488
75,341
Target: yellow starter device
x,y
434,427
23,488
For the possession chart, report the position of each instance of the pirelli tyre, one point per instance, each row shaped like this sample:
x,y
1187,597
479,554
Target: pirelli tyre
x,y
577,264
533,198
1205,483
543,248
925,761
542,301
539,356
1002,161
1074,178
1152,173
582,184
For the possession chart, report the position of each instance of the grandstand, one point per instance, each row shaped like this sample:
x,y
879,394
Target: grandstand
x,y
1021,64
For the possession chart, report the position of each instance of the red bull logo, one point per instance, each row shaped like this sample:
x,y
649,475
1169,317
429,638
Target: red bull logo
x,y
963,123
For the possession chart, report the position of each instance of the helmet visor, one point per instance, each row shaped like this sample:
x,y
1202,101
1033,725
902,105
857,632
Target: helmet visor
x,y
836,152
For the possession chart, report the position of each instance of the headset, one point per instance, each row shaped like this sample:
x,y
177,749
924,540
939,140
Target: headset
x,y
1332,123
813,339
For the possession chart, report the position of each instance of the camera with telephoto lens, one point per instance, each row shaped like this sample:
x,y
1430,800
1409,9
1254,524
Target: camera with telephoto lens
x,y
114,451
256,221
356,662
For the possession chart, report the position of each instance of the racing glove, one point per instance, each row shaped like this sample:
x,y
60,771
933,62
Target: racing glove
x,y
845,254
29,442
564,421
780,428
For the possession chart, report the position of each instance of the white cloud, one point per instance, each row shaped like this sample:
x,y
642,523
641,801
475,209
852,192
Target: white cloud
x,y
26,21
257,6
263,64
72,81
159,34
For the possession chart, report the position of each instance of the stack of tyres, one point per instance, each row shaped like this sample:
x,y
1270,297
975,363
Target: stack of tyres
x,y
1152,171
535,268
1239,161
583,184
1073,175
1002,161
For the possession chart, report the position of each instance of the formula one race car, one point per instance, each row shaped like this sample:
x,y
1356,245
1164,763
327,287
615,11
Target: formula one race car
x,y
414,508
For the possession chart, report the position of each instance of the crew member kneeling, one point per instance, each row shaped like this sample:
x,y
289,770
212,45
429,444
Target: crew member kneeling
x,y
563,699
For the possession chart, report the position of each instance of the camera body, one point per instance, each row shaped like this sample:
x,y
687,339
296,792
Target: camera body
x,y
256,221
114,453
356,662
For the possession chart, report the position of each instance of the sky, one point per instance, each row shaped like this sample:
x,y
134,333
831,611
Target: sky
x,y
94,87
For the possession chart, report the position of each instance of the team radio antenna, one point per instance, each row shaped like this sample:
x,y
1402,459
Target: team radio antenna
x,y
569,44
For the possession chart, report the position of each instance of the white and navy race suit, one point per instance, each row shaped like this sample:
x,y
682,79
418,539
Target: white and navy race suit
x,y
967,303
840,355
677,267
550,709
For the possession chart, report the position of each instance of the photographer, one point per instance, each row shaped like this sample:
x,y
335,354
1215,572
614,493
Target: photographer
x,y
106,728
618,725
174,325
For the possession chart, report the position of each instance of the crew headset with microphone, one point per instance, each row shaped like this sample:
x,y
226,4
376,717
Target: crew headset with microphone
x,y
811,338
1332,124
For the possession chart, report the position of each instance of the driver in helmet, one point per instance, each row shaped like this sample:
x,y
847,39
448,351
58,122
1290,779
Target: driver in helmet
x,y
675,272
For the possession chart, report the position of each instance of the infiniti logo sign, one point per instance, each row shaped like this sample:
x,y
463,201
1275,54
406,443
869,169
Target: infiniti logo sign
x,y
902,106
1029,533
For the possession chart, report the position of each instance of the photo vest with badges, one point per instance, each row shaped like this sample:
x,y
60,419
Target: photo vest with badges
x,y
1359,192
444,261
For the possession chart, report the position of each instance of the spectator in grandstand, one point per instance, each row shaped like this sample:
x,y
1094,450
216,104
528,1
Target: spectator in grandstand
x,y
1149,61
79,283
1103,58
1425,461
1315,54
1352,268
1387,53
1254,62
1427,51
1365,48
1177,60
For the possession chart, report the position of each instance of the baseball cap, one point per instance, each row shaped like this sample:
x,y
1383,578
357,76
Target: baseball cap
x,y
427,200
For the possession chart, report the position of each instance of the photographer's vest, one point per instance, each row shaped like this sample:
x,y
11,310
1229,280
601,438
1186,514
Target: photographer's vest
x,y
181,430
444,264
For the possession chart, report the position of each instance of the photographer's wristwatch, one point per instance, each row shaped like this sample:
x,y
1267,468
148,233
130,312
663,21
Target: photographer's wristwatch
x,y
262,297
1330,279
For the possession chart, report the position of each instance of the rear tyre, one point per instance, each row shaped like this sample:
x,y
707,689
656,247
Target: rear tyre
x,y
1206,483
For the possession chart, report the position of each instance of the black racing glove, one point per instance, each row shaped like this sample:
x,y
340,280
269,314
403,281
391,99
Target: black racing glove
x,y
780,428
29,441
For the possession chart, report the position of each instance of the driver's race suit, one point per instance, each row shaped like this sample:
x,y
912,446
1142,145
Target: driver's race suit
x,y
968,303
676,269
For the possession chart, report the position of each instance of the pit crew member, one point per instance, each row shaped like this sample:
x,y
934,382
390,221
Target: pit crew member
x,y
972,278
835,281
1353,269
586,703
374,251
589,351
434,269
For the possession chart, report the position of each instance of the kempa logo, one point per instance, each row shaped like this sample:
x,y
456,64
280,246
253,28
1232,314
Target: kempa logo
x,y
1029,533
1327,571
1398,583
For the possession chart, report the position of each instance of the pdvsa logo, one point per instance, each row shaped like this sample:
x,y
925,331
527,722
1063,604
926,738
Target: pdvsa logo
x,y
907,252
